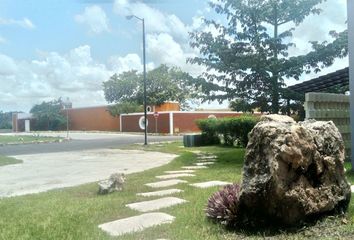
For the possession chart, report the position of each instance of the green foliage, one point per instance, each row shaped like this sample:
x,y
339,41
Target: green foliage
x,y
223,205
234,130
48,115
162,84
5,120
248,58
125,107
240,105
209,128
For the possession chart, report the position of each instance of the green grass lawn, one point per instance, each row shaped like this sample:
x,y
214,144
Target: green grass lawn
x,y
74,213
4,160
25,139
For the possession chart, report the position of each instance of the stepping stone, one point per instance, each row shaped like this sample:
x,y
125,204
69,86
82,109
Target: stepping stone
x,y
194,167
160,193
204,163
352,188
156,204
177,175
198,152
136,224
166,183
179,171
206,160
207,157
209,184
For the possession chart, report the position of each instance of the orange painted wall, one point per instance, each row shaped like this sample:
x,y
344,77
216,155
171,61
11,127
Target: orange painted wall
x,y
185,122
130,123
92,119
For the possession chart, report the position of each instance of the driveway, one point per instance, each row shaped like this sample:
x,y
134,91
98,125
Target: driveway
x,y
82,141
46,171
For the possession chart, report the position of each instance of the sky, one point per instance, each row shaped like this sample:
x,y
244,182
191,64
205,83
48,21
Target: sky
x,y
68,48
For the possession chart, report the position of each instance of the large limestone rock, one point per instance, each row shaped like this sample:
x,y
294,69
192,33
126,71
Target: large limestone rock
x,y
293,171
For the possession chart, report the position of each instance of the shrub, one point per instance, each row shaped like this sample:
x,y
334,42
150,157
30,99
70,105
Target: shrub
x,y
223,205
209,131
234,130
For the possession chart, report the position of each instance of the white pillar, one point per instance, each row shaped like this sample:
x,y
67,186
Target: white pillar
x,y
350,11
120,122
27,125
171,123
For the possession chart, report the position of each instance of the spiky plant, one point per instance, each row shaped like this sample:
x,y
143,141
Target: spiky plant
x,y
222,205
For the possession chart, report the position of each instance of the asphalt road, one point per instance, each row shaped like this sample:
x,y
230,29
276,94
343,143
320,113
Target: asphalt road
x,y
78,145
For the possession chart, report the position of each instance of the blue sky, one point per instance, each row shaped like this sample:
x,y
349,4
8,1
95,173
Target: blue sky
x,y
67,48
55,27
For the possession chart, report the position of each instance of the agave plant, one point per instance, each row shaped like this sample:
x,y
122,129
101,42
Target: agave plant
x,y
222,205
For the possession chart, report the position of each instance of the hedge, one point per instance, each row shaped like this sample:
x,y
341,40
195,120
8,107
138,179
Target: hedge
x,y
232,130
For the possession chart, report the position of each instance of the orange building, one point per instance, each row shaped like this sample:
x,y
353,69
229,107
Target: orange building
x,y
166,119
92,119
169,122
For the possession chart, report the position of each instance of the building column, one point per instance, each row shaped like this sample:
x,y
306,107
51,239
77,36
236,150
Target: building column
x,y
350,11
171,123
120,122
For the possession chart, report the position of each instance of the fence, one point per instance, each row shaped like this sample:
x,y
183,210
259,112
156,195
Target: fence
x,y
329,106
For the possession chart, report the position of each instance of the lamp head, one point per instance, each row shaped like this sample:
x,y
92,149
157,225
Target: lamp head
x,y
129,17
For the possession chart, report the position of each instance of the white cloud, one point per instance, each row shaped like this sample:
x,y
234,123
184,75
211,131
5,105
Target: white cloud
x,y
123,64
155,20
75,75
8,66
95,18
167,38
127,63
24,23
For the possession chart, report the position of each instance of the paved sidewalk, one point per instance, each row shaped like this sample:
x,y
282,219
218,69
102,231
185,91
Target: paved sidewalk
x,y
42,172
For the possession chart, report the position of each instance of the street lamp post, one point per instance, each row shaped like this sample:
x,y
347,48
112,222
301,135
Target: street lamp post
x,y
67,105
144,64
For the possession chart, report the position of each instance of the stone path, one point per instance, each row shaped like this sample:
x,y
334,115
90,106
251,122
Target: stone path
x,y
194,167
204,163
206,157
140,222
147,206
160,193
136,224
179,171
166,183
177,175
207,160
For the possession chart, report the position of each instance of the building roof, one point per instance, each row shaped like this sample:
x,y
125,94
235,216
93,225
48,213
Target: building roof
x,y
337,78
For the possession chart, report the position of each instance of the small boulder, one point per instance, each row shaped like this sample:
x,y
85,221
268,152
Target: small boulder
x,y
113,184
293,172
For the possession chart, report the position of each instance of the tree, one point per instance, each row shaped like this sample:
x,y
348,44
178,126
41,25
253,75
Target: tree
x,y
125,107
5,120
248,58
49,115
163,84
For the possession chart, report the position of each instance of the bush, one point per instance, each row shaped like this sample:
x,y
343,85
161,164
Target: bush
x,y
209,131
234,130
223,205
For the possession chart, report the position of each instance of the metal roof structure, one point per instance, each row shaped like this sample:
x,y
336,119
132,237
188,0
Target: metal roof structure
x,y
337,78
